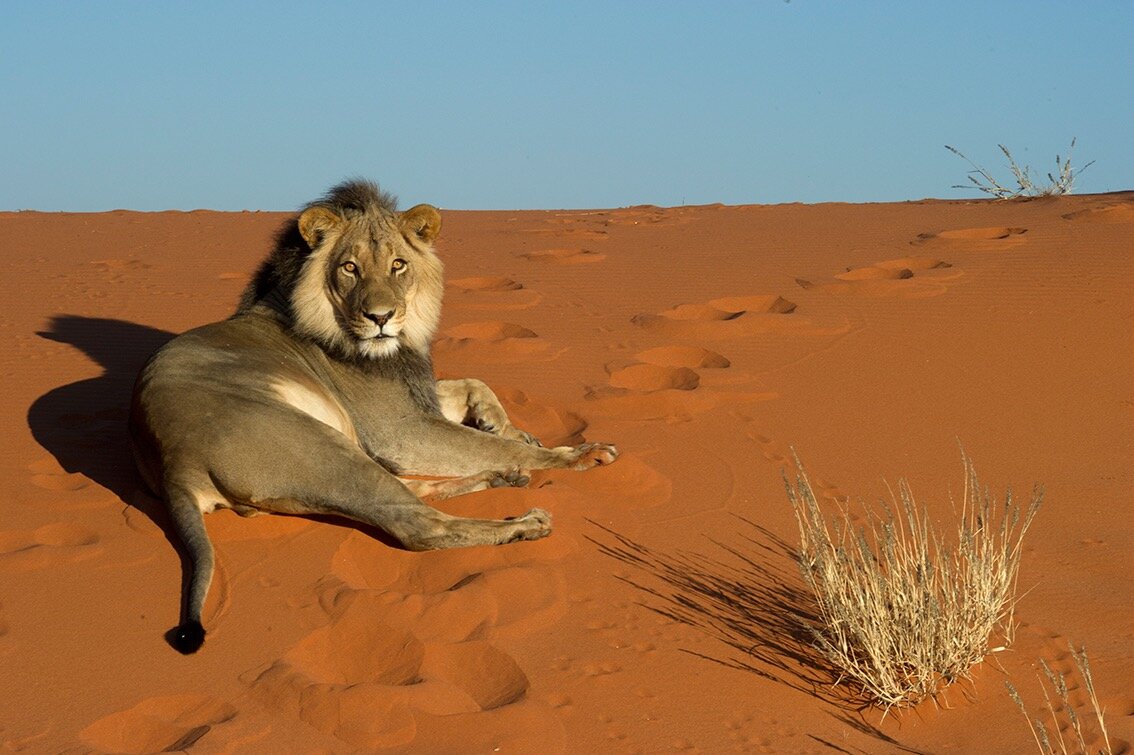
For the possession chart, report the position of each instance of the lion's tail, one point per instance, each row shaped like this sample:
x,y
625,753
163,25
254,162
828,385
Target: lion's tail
x,y
189,524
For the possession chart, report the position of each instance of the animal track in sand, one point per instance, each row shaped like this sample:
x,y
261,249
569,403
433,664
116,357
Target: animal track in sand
x,y
358,647
904,277
631,482
487,675
115,270
990,239
726,317
662,382
493,292
493,340
1055,649
117,264
995,232
35,549
485,283
363,563
47,474
365,680
1115,213
664,368
554,427
785,458
694,312
683,356
364,716
578,225
730,308
158,724
508,600
528,598
564,256
492,330
874,273
652,377
666,405
63,482
770,449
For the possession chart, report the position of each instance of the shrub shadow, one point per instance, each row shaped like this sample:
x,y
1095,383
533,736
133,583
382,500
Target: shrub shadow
x,y
756,604
752,599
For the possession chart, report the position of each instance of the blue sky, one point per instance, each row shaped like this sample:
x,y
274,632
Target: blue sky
x,y
496,105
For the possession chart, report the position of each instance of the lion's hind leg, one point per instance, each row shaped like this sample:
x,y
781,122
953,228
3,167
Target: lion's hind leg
x,y
327,474
435,529
439,490
420,527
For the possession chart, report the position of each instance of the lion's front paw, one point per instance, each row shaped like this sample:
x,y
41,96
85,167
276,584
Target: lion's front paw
x,y
531,526
593,455
512,479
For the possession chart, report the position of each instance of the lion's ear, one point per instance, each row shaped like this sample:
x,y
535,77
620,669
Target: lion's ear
x,y
314,224
423,221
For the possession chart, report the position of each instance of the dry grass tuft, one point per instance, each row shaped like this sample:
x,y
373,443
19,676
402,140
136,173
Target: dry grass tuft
x,y
1052,741
902,612
1062,182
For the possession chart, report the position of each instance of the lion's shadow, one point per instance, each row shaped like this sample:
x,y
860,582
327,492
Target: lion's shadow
x,y
83,424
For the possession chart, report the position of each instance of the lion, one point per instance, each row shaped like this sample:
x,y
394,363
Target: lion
x,y
319,393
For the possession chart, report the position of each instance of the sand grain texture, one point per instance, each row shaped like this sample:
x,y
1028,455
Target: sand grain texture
x,y
707,342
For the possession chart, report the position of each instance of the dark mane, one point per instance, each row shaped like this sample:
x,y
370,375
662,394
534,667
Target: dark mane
x,y
281,267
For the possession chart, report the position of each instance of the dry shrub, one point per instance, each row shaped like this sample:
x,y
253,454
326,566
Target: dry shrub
x,y
904,612
1051,741
1062,182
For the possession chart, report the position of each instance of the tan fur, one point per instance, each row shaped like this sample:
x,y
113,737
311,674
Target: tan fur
x,y
320,386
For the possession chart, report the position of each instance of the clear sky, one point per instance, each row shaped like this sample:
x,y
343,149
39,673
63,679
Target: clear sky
x,y
509,105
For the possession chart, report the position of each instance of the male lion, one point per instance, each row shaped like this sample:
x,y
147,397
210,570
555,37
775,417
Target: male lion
x,y
320,389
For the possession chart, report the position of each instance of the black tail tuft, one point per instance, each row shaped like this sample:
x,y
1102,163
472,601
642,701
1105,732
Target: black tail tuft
x,y
186,638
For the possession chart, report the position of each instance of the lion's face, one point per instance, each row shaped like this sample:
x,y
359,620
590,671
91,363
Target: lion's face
x,y
372,283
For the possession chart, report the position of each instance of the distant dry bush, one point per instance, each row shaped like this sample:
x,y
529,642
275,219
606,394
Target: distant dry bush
x,y
1061,182
1063,716
902,612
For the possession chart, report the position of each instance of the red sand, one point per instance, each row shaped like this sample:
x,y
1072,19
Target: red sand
x,y
707,342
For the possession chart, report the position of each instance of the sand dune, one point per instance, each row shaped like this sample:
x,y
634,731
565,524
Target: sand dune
x,y
711,344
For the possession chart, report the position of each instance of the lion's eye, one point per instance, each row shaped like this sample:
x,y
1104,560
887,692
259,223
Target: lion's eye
x,y
398,265
349,267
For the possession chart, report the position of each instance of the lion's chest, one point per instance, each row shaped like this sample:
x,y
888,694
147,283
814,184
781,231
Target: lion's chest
x,y
375,412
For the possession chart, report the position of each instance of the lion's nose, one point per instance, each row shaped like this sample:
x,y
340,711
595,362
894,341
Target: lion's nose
x,y
380,318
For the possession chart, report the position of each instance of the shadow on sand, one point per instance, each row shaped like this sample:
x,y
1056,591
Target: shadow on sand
x,y
83,424
752,599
